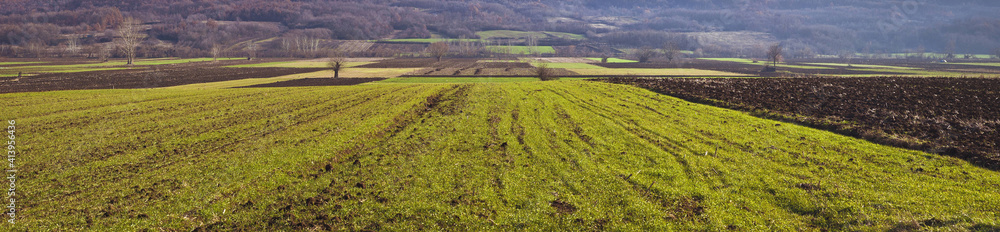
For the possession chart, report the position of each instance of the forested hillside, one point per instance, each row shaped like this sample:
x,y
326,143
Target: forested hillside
x,y
195,27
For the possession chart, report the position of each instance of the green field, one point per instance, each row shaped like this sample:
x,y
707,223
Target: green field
x,y
570,65
925,73
460,80
430,40
521,49
860,65
614,60
535,156
765,63
17,63
100,66
653,72
526,34
980,64
295,64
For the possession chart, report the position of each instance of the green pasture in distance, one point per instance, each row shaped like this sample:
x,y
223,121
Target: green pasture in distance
x,y
980,64
295,64
861,65
614,60
569,65
18,63
526,34
521,49
466,79
765,63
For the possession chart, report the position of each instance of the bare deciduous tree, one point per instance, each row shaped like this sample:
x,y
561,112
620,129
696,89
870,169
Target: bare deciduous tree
x,y
438,50
605,53
73,46
216,52
774,54
996,53
949,49
337,62
645,53
532,44
543,72
670,51
104,51
251,49
130,35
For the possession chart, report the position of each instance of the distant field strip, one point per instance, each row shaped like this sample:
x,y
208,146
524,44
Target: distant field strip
x,y
537,156
614,60
652,72
860,65
980,64
765,63
295,64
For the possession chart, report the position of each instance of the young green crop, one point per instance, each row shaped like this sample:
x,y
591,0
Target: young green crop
x,y
562,155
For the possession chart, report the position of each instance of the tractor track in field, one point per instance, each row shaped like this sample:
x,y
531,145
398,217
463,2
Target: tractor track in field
x,y
123,148
685,208
354,186
678,151
153,163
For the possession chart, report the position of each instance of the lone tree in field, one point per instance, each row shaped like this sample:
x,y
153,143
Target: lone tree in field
x,y
438,50
774,54
996,53
216,52
337,62
645,53
605,53
670,51
130,35
543,72
251,49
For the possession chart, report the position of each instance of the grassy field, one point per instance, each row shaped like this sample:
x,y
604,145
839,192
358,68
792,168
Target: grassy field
x,y
561,155
980,64
521,49
431,40
99,66
925,73
614,60
460,80
569,65
249,81
861,65
653,72
17,63
526,34
295,64
764,63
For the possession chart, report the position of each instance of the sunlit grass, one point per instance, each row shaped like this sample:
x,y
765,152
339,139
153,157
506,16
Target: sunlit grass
x,y
521,49
980,64
614,60
295,64
764,63
861,65
539,156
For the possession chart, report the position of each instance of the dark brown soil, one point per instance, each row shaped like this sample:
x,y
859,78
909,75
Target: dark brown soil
x,y
950,116
562,206
153,77
318,82
735,67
